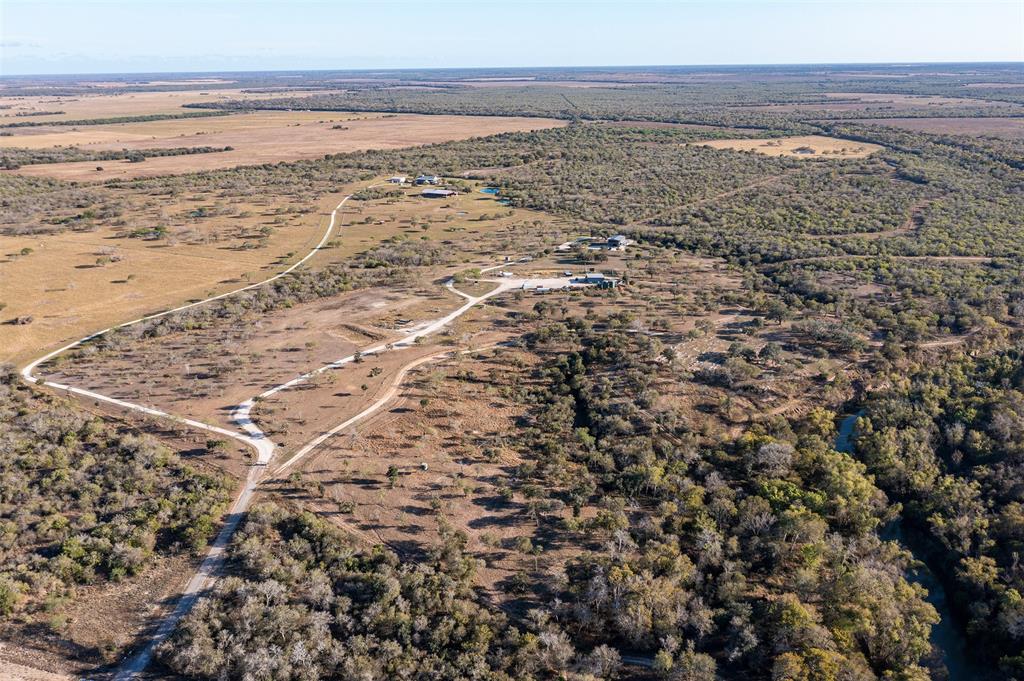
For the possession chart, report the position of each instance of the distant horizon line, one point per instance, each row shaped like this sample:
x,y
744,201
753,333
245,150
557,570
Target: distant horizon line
x,y
596,67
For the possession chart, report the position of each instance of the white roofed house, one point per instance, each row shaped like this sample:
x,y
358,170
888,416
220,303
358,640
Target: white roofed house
x,y
438,193
398,179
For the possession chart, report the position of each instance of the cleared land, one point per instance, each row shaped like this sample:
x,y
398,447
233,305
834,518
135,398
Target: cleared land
x,y
263,137
458,417
866,101
75,282
1008,128
188,373
105,105
806,146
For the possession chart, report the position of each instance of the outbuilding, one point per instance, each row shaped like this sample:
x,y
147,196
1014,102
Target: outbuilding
x,y
437,193
398,179
597,279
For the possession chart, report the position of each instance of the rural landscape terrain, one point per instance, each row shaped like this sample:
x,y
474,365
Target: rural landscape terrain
x,y
631,373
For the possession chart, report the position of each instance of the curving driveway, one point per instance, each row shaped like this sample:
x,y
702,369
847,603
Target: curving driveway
x,y
250,434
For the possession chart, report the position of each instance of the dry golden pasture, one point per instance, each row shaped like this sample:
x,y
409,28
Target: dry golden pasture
x,y
255,138
1009,128
190,373
75,282
864,101
478,229
104,105
805,146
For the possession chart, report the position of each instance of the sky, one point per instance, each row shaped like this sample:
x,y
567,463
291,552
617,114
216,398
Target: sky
x,y
140,36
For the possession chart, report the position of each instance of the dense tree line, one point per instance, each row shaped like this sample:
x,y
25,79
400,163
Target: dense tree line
x,y
113,120
887,221
750,103
33,205
753,558
12,158
82,502
303,603
947,440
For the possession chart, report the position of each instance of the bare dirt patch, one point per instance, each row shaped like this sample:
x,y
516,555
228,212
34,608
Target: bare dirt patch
x,y
17,672
205,372
446,445
95,627
805,146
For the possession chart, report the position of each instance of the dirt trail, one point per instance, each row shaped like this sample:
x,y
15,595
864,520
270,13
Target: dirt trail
x,y
213,562
913,223
771,179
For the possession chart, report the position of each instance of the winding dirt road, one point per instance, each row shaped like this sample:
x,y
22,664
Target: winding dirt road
x,y
250,434
214,559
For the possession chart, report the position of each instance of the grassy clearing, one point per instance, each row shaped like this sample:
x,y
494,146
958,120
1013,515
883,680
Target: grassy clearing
x,y
804,146
75,282
262,137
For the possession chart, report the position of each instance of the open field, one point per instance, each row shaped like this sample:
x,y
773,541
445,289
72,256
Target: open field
x,y
105,105
806,146
72,283
1009,128
263,137
866,101
187,374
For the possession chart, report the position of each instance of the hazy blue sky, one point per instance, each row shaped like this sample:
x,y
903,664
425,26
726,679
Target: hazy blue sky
x,y
144,35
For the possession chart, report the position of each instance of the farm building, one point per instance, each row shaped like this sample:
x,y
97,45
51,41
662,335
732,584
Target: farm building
x,y
428,179
398,179
614,243
437,193
597,279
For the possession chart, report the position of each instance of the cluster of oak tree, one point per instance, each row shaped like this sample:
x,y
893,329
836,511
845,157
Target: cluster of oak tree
x,y
946,439
83,502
